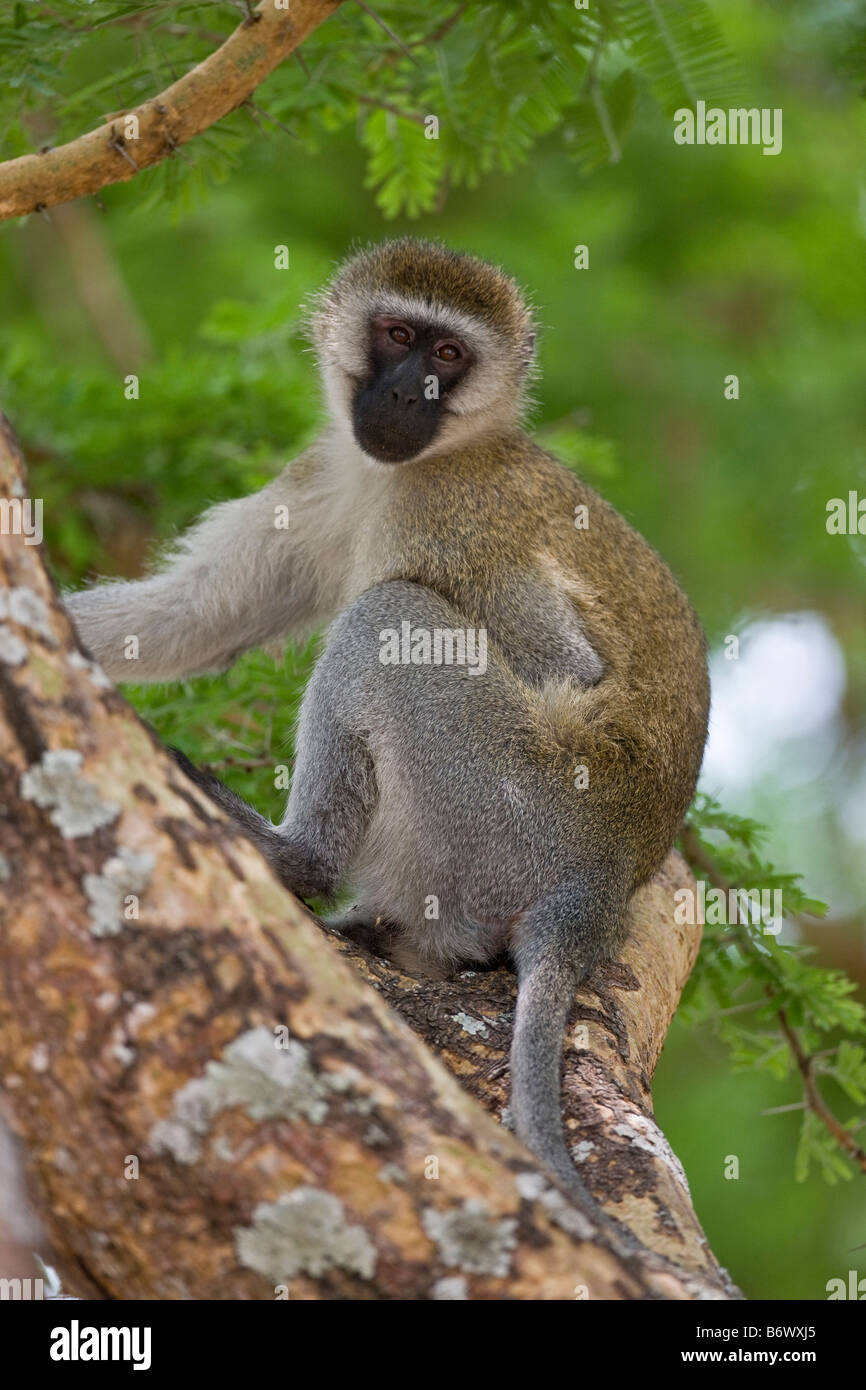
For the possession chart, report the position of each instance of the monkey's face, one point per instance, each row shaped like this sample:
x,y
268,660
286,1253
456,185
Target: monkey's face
x,y
401,404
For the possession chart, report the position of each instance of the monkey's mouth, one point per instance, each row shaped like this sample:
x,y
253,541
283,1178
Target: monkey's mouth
x,y
390,441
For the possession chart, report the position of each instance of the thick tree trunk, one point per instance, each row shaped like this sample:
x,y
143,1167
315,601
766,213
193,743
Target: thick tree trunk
x,y
214,1104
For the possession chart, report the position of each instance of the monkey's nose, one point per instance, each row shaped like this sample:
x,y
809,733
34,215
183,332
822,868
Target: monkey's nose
x,y
403,400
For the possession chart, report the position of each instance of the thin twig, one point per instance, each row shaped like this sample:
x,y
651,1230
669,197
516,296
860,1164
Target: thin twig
x,y
437,35
126,18
740,1008
428,40
253,107
141,22
844,1138
377,19
385,106
118,143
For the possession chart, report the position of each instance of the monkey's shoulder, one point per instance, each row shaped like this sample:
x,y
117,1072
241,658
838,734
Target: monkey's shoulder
x,y
511,495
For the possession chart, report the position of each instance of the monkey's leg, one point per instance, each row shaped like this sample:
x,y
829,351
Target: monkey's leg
x,y
291,863
373,933
334,788
333,785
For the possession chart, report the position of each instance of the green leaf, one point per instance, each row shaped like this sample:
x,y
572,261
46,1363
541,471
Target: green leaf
x,y
817,1146
849,1069
404,166
678,49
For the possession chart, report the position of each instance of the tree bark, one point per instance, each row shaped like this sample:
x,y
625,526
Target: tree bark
x,y
215,1104
196,101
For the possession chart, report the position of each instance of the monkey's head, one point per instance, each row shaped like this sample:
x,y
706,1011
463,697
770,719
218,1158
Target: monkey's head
x,y
421,348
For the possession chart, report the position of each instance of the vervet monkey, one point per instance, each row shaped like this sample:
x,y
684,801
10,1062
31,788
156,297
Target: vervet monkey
x,y
525,796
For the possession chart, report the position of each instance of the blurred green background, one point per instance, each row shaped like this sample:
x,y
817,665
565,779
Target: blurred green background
x,y
703,262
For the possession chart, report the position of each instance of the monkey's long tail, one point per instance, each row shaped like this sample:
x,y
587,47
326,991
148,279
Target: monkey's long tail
x,y
554,953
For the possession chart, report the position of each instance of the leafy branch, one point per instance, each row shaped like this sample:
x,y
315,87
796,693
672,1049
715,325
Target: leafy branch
x,y
499,77
793,1004
165,122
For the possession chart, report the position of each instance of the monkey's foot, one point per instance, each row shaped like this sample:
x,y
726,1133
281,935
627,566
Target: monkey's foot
x,y
387,940
375,934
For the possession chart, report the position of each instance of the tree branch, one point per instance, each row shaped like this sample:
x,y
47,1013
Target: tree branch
x,y
196,101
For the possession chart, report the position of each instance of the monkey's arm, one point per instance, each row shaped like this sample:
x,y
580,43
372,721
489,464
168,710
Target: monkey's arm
x,y
237,579
540,630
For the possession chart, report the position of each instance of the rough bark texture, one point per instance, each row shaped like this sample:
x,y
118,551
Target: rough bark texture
x,y
197,100
176,1151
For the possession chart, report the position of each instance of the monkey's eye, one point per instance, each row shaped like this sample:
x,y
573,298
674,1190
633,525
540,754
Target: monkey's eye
x,y
448,352
400,335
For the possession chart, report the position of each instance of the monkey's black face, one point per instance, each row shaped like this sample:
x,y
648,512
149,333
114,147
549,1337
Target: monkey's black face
x,y
401,404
